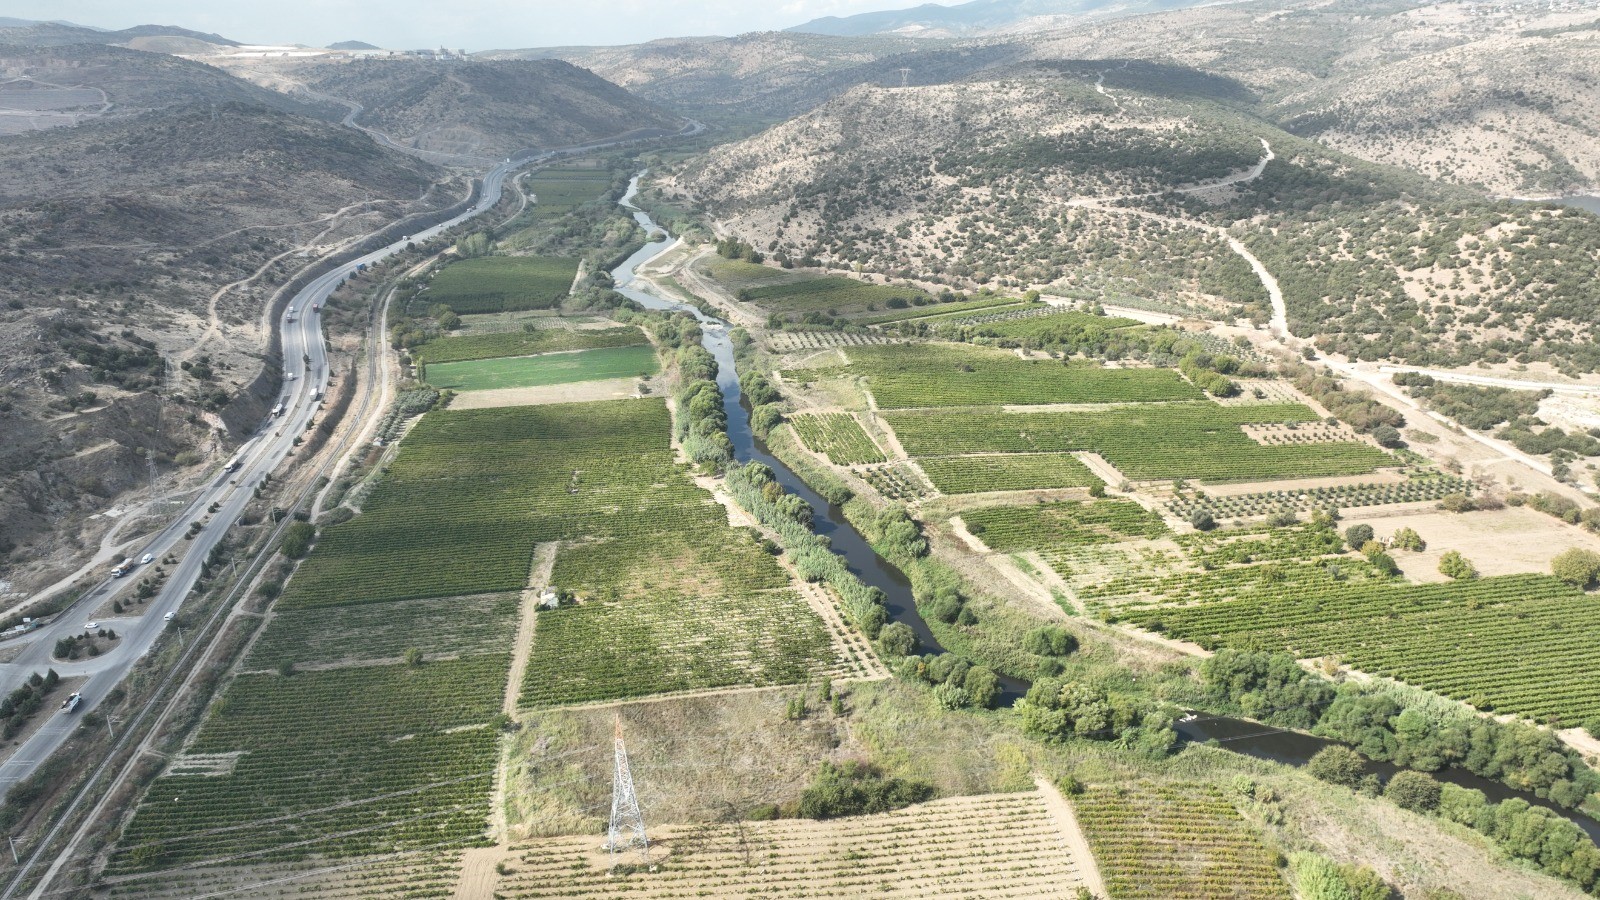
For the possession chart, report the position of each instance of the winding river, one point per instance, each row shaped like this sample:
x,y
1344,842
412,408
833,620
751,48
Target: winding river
x,y
1240,735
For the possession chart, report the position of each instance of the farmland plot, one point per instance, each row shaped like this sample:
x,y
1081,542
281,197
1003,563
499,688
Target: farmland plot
x,y
457,348
502,283
834,295
1182,842
544,369
1202,441
385,631
1004,845
937,375
837,436
1050,528
1006,472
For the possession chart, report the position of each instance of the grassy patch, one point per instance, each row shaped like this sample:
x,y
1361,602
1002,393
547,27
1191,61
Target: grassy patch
x,y
1007,472
838,436
457,348
534,371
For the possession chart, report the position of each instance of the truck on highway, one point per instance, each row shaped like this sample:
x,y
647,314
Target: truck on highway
x,y
233,465
71,703
277,411
316,307
122,568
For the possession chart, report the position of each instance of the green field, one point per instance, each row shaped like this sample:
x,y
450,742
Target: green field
x,y
1201,441
1006,472
1049,527
837,436
502,283
561,189
457,348
903,376
550,368
938,311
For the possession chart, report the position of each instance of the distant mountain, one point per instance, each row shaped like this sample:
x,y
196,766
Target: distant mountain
x,y
353,45
61,34
975,17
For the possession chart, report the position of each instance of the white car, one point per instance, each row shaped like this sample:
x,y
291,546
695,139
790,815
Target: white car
x,y
90,626
290,375
147,559
167,617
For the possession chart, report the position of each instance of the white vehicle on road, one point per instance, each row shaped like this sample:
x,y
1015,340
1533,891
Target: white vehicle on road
x,y
90,626
71,703
147,559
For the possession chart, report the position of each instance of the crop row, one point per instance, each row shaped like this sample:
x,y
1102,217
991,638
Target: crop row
x,y
502,283
838,436
1050,526
930,311
893,481
1520,644
1007,472
1144,441
459,348
1344,496
1175,842
940,375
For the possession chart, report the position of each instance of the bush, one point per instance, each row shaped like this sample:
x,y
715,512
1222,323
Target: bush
x,y
1357,536
1320,878
897,639
854,789
1384,563
1202,520
1337,764
297,540
982,686
1414,791
1577,566
1049,640
1408,539
1388,436
1454,565
1592,726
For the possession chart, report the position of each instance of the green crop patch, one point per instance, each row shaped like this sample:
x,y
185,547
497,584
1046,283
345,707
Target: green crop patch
x,y
550,368
473,491
502,283
958,308
1175,842
1050,527
838,436
385,631
1006,472
936,375
387,739
1202,441
1059,327
459,348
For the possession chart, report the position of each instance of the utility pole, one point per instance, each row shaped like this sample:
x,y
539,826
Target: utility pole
x,y
625,814
150,458
14,858
905,77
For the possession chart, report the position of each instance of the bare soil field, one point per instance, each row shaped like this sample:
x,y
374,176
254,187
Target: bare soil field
x,y
1006,845
576,392
1498,542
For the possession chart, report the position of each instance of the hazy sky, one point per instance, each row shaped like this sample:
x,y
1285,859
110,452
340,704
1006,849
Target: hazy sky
x,y
472,24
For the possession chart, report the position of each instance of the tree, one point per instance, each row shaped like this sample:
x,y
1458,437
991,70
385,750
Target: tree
x,y
1414,791
1388,436
1357,536
297,539
1049,640
1337,764
1454,565
1384,563
414,657
897,639
982,686
1202,520
1577,566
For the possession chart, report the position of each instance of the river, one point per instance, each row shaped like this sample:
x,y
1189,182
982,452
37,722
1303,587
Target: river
x,y
1240,735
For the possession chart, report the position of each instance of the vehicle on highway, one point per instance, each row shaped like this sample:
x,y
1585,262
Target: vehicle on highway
x,y
289,316
316,307
277,410
71,703
168,617
90,626
147,559
122,568
233,465
289,376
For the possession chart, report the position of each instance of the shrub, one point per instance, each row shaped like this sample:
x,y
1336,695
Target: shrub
x,y
1414,791
1337,764
854,789
1592,725
1202,520
897,639
297,540
1388,436
1577,566
1049,640
982,686
1454,565
1408,539
1384,563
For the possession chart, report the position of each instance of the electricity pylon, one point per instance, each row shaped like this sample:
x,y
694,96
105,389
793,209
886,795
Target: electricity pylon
x,y
627,823
905,77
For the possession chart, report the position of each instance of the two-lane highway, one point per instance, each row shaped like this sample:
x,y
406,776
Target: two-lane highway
x,y
305,363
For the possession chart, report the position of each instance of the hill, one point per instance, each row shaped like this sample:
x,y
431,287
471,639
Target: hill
x,y
486,109
353,45
138,242
966,19
61,34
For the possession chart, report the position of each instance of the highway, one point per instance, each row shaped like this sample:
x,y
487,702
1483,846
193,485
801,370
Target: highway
x,y
305,359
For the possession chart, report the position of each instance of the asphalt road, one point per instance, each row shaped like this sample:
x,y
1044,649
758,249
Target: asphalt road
x,y
231,492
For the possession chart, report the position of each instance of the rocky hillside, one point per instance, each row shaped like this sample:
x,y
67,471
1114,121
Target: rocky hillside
x,y
488,109
136,255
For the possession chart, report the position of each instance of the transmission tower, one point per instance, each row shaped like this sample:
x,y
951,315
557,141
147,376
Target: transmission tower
x,y
627,822
905,77
150,458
